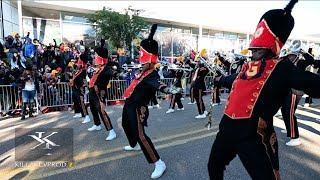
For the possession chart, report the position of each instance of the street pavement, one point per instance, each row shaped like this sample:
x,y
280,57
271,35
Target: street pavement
x,y
182,141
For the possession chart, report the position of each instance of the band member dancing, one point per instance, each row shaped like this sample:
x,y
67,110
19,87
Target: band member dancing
x,y
97,91
189,63
257,92
176,98
137,96
198,86
289,107
78,83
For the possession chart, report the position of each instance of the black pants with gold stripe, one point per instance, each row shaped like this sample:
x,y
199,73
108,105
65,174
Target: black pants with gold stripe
x,y
176,98
97,107
78,102
191,94
258,153
197,94
288,110
134,118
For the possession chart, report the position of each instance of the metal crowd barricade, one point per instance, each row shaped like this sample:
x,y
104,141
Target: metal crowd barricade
x,y
116,90
60,94
168,82
10,98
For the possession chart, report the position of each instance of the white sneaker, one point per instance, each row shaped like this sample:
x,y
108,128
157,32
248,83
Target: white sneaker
x,y
159,169
170,111
306,105
205,112
201,116
112,135
95,128
279,113
157,106
69,109
77,115
180,109
191,102
86,119
150,107
129,148
294,142
182,99
284,131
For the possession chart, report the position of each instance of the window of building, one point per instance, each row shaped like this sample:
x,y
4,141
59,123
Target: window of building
x,y
42,29
74,32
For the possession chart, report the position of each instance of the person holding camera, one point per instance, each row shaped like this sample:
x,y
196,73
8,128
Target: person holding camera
x,y
29,87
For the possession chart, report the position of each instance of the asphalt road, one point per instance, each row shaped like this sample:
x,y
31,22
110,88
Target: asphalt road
x,y
182,142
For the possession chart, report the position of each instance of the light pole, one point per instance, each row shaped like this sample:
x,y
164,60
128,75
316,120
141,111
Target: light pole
x,y
132,12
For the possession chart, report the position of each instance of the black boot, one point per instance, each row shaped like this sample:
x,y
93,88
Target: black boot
x,y
30,109
24,109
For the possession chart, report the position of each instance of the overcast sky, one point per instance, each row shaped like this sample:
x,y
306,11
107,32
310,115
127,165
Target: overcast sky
x,y
241,16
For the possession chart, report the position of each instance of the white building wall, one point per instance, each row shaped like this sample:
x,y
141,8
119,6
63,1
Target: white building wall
x,y
10,18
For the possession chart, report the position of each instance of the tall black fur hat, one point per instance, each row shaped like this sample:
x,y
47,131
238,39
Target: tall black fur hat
x,y
149,44
274,28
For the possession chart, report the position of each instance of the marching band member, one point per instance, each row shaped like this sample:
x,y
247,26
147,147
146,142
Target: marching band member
x,y
137,96
292,100
257,92
78,83
176,98
189,62
97,91
198,86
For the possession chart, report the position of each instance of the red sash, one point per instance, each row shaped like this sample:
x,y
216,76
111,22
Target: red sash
x,y
245,92
135,82
95,77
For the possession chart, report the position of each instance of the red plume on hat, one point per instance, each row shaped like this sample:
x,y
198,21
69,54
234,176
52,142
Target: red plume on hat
x,y
274,29
102,54
149,48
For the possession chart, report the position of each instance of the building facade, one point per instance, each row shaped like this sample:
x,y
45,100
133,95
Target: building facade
x,y
70,25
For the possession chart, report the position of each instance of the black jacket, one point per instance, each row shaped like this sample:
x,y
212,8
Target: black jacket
x,y
104,78
79,80
284,77
145,90
199,83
